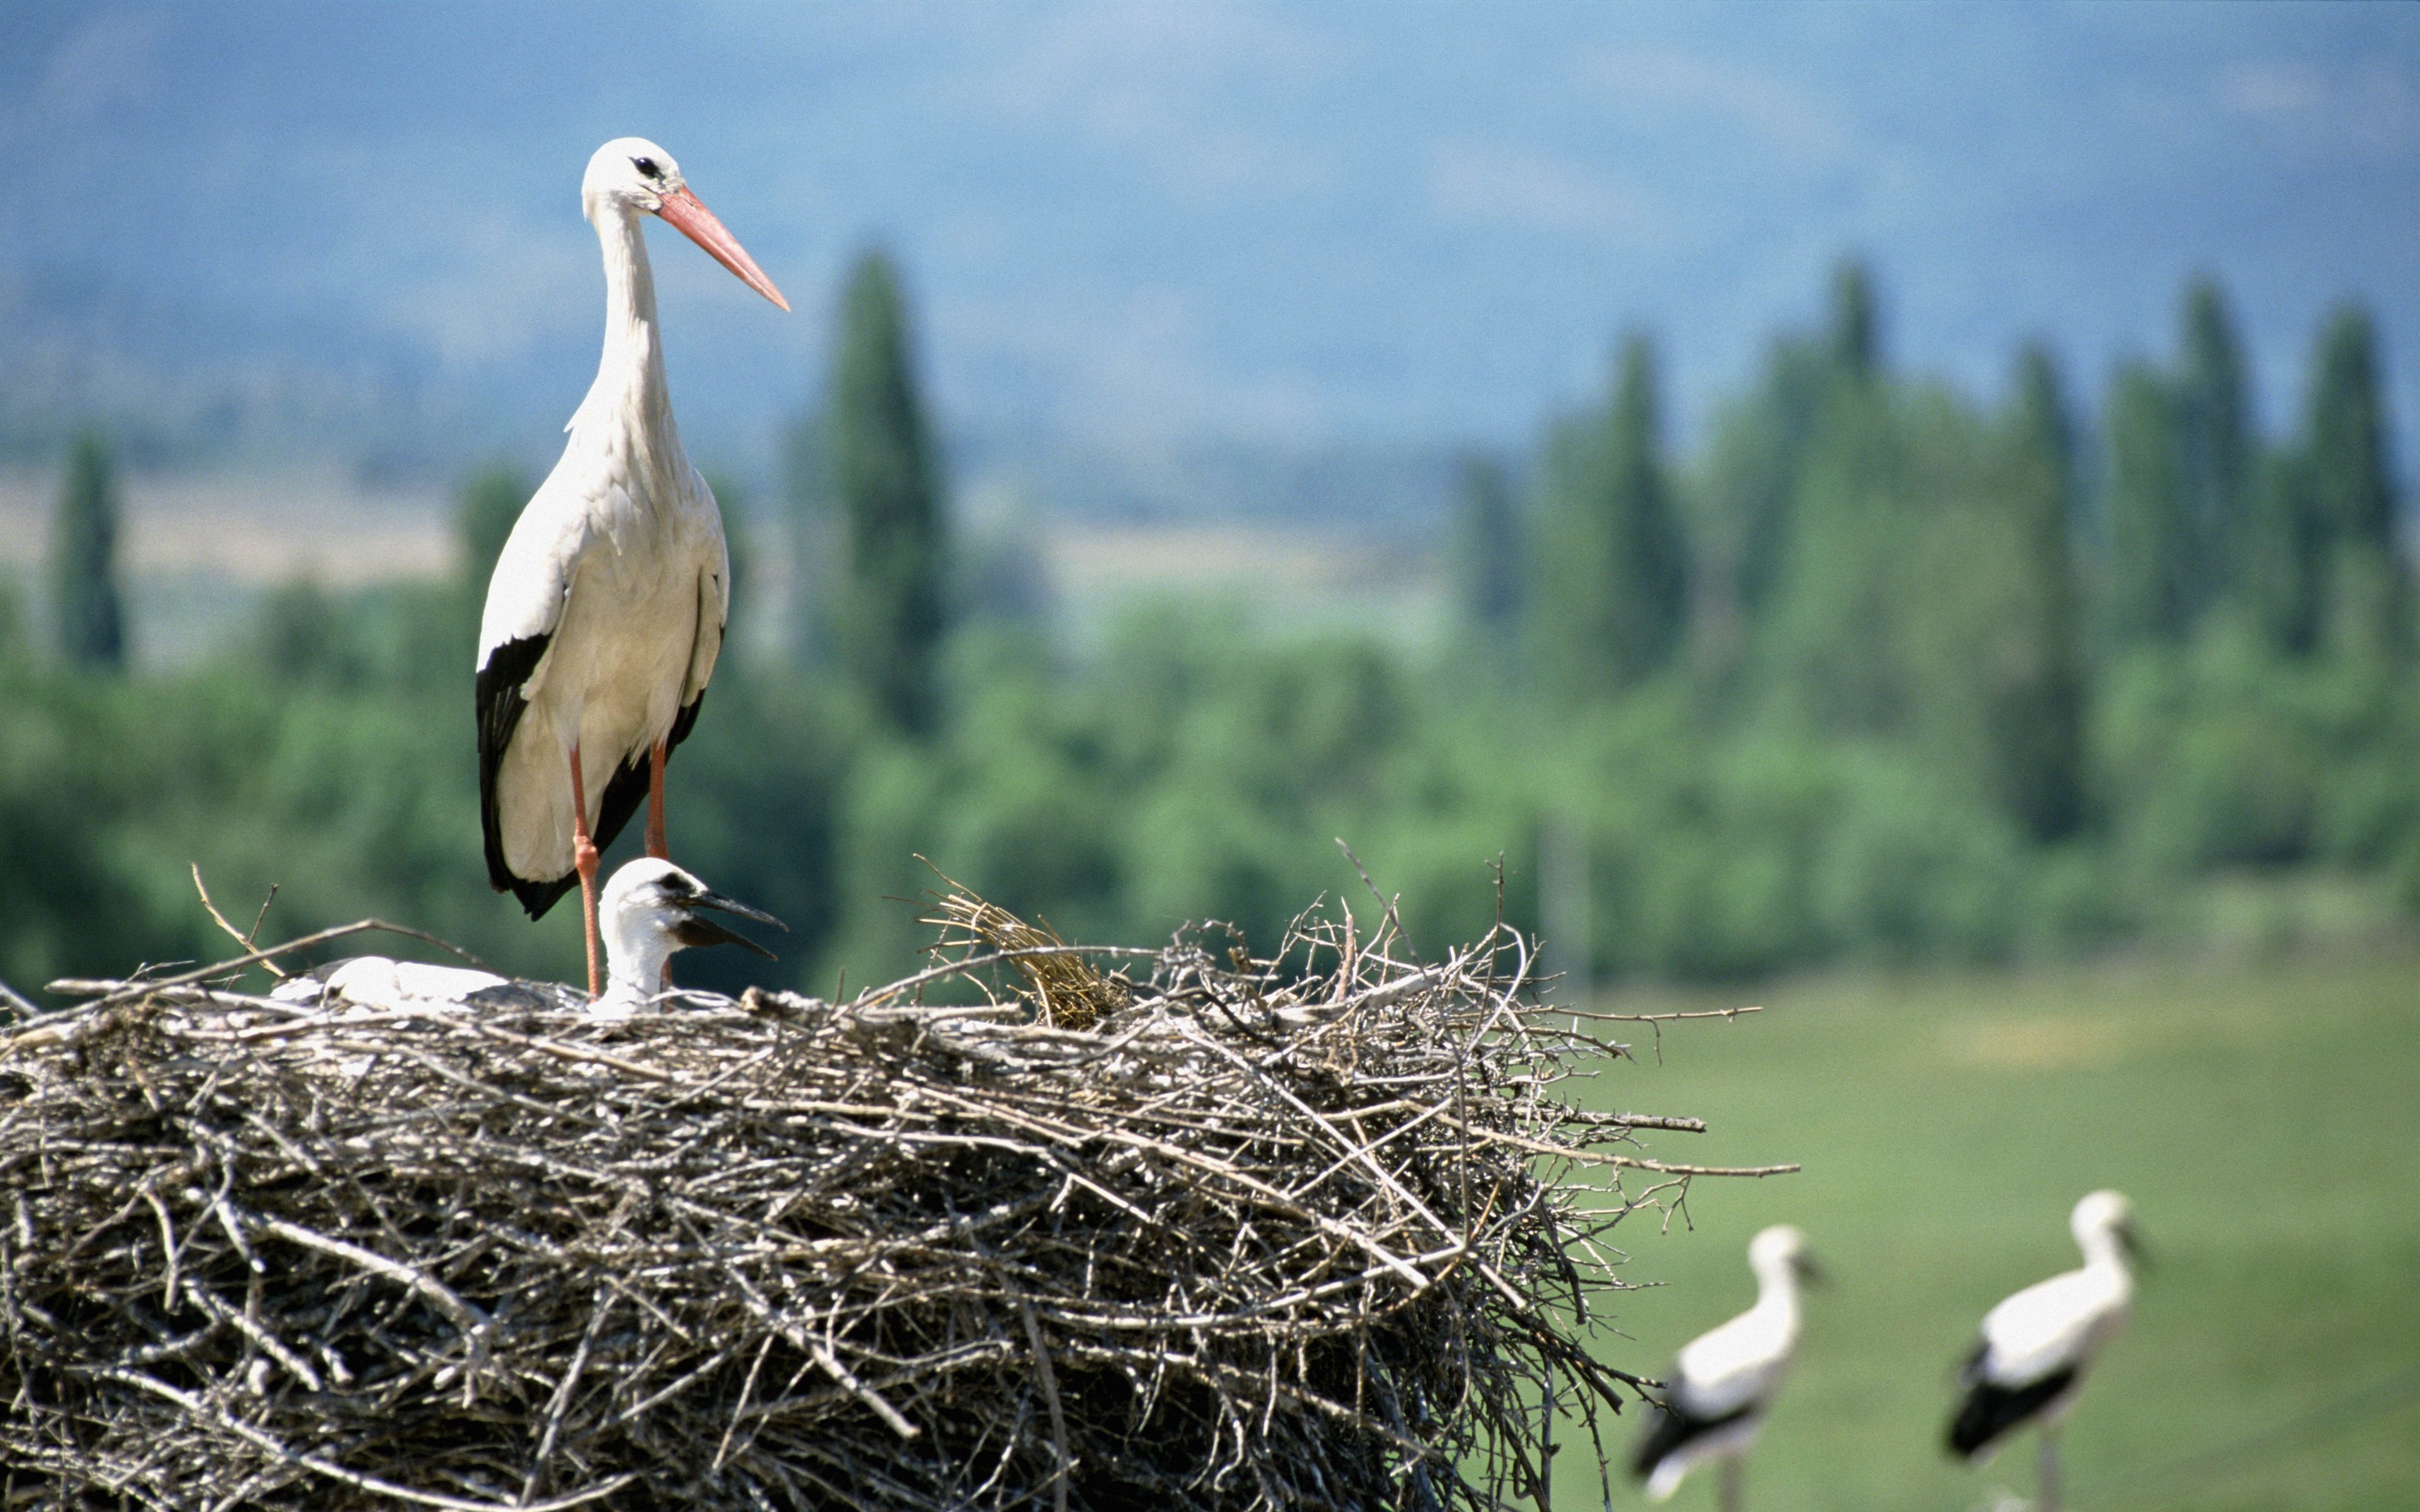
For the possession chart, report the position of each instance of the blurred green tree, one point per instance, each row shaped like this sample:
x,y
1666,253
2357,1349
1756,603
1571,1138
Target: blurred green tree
x,y
14,646
2279,571
1613,569
807,489
1831,650
2352,489
2147,571
491,503
1853,338
2215,433
1746,504
84,599
2040,722
302,635
887,610
1487,546
485,516
1754,476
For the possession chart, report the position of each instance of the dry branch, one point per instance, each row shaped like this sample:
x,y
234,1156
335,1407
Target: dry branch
x,y
1315,1230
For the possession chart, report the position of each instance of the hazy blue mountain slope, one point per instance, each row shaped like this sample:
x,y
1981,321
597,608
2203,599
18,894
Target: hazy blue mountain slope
x,y
357,227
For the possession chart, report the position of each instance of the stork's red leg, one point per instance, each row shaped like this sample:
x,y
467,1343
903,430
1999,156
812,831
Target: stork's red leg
x,y
657,845
583,858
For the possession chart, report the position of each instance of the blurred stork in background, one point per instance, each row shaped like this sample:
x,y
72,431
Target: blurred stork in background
x,y
2036,1344
1724,1381
606,612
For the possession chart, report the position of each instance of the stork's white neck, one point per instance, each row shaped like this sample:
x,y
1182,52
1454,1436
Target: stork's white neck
x,y
2101,1250
636,947
628,404
1776,1292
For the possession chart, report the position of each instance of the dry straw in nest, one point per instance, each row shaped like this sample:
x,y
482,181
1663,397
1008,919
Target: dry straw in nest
x,y
1321,1230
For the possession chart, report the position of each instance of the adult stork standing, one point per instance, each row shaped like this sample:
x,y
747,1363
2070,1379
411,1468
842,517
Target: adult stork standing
x,y
1724,1381
2030,1362
606,612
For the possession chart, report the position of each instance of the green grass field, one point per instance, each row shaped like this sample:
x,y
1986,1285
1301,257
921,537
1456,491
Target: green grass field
x,y
2264,1118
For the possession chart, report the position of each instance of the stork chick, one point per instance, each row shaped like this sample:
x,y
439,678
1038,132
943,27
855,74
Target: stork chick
x,y
606,612
651,909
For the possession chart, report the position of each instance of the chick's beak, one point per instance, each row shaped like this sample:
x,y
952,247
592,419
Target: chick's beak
x,y
733,905
694,930
1812,1274
686,214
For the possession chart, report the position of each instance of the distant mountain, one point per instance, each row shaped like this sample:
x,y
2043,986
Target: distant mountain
x,y
1144,232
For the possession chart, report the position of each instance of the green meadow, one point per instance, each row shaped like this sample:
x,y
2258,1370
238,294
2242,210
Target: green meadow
x,y
2264,1118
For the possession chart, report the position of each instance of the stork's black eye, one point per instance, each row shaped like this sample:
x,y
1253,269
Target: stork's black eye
x,y
647,166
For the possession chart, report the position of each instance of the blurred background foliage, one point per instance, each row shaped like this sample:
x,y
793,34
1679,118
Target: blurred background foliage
x,y
1879,673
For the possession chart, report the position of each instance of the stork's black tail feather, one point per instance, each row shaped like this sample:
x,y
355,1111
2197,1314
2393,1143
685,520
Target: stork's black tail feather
x,y
624,791
1671,1428
1991,1412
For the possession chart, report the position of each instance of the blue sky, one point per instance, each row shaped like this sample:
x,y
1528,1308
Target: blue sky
x,y
1142,222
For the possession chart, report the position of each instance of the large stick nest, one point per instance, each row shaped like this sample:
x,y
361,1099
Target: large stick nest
x,y
1319,1230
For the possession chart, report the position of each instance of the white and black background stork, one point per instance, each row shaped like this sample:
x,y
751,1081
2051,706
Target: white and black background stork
x,y
2036,1348
1724,1384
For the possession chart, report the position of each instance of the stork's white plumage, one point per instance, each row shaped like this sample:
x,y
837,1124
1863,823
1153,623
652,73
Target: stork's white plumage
x,y
377,982
1720,1387
2037,1345
650,909
605,614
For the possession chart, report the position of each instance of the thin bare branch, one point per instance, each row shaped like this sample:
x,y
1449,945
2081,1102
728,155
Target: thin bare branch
x,y
232,932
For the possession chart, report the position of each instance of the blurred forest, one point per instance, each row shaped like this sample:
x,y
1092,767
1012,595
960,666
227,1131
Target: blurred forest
x,y
1883,672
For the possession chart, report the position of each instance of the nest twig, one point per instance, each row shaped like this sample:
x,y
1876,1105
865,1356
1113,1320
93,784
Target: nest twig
x,y
1318,1230
1064,987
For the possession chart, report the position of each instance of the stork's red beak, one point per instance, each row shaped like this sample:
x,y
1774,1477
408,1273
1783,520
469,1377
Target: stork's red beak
x,y
695,220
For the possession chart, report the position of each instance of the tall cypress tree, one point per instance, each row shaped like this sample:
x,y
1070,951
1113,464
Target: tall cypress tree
x,y
1853,337
2041,733
1614,572
2214,435
815,531
2351,490
1748,500
491,502
2147,572
84,561
1488,546
886,605
13,640
2279,570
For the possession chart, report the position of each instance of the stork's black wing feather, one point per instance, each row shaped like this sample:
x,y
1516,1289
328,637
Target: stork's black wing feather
x,y
1991,1412
1970,1370
501,706
1671,1428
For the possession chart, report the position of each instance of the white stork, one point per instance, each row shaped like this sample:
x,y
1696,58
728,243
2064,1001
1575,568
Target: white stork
x,y
650,909
1723,1383
606,611
2037,1345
